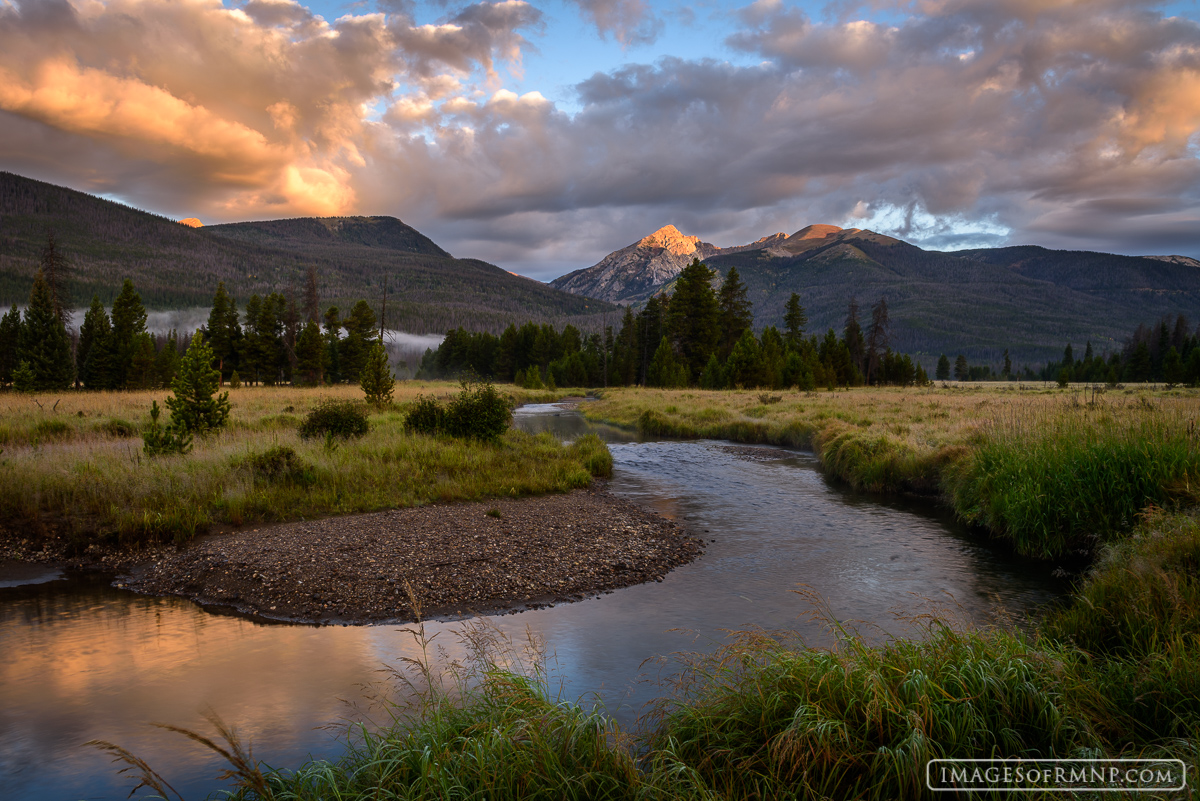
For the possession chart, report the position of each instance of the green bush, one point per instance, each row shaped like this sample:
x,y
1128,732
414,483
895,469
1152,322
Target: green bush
x,y
280,464
478,412
426,416
158,440
116,427
338,418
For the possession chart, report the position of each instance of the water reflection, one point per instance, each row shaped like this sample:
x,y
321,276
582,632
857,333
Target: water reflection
x,y
80,659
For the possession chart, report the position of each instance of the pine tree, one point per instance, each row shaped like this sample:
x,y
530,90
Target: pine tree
x,y
360,328
665,369
744,367
93,340
44,346
877,336
143,363
693,317
1172,368
56,270
713,376
852,335
10,339
943,368
1141,368
223,331
794,321
333,342
194,410
312,298
128,322
311,356
735,311
166,365
1008,361
962,370
377,380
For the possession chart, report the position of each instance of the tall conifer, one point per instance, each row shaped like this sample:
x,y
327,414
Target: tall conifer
x,y
43,346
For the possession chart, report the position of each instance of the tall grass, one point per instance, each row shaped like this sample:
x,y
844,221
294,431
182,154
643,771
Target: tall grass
x,y
762,719
93,483
1054,479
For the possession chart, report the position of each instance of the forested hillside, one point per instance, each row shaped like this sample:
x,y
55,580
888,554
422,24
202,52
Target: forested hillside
x,y
1030,301
176,266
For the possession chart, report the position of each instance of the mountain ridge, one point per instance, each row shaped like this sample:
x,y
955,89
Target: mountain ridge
x,y
1026,299
174,265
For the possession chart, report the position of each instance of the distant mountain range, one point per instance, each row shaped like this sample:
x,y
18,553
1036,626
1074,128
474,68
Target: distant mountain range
x,y
178,264
1030,300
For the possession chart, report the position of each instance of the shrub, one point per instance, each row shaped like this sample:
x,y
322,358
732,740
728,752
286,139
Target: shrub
x,y
479,412
158,440
426,416
280,464
336,418
116,427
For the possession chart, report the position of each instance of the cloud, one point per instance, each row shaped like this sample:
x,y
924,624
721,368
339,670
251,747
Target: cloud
x,y
630,22
263,109
1057,121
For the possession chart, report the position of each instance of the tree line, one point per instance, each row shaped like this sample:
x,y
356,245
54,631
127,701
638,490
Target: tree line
x,y
1167,352
271,341
697,336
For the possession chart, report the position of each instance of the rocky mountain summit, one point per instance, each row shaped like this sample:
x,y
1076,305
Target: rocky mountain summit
x,y
636,272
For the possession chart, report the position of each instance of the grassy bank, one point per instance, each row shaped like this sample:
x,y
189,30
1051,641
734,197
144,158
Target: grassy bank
x,y
1050,470
77,468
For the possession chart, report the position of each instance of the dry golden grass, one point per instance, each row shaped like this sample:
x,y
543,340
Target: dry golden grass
x,y
79,467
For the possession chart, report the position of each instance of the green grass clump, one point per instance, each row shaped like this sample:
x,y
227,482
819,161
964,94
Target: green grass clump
x,y
594,454
507,739
1142,593
764,720
1059,481
53,430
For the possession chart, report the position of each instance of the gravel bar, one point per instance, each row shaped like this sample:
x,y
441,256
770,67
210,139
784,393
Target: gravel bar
x,y
454,560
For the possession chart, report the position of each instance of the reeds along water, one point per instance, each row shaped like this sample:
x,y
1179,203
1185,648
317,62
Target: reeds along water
x,y
1061,477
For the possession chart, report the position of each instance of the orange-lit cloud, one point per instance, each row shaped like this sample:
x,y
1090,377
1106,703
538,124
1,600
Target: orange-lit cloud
x,y
1064,122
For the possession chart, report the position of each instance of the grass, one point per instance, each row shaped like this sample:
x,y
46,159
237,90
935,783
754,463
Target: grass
x,y
79,470
1052,471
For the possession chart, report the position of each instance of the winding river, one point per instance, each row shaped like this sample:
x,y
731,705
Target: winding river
x,y
80,659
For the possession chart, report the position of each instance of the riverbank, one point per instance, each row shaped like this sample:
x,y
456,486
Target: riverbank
x,y
445,560
1056,472
73,473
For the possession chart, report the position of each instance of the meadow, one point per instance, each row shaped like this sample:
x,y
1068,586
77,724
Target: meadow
x,y
1114,671
72,464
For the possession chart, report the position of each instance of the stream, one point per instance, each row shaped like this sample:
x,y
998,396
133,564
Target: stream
x,y
80,659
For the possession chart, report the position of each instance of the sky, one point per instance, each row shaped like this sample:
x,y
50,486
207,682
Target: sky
x,y
541,135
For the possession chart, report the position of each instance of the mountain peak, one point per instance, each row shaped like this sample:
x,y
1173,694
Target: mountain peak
x,y
818,231
670,238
